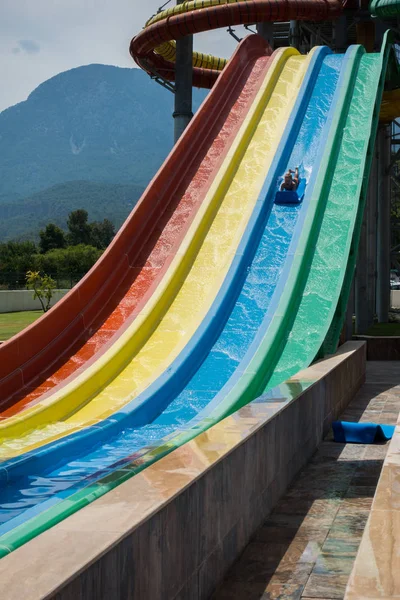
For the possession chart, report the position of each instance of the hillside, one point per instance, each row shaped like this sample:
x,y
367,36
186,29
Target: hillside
x,y
24,218
91,138
94,123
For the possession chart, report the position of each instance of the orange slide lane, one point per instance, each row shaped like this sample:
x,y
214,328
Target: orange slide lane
x,y
87,321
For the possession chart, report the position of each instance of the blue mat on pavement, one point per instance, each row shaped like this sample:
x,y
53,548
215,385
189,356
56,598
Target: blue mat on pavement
x,y
361,433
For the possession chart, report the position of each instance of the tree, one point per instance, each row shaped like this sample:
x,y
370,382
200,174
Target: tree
x,y
42,287
15,259
73,260
51,237
101,233
78,227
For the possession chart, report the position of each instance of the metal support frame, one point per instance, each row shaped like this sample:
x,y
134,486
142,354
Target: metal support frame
x,y
350,313
314,34
168,85
361,284
266,30
232,33
372,216
366,272
383,246
366,34
294,34
340,34
183,112
394,182
380,28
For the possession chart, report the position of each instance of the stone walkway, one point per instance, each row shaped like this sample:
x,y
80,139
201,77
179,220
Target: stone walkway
x,y
307,547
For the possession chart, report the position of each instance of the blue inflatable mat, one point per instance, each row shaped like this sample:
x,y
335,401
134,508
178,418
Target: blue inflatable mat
x,y
361,433
286,197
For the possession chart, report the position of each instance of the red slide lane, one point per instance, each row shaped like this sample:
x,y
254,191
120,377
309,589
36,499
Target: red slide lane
x,y
224,15
80,327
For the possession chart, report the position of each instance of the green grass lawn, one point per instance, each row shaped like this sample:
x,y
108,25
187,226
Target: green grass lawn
x,y
384,329
12,323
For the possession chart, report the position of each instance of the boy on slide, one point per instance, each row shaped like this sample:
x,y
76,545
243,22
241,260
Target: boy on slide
x,y
290,183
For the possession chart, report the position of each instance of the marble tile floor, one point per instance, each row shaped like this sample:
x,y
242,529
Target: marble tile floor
x,y
306,548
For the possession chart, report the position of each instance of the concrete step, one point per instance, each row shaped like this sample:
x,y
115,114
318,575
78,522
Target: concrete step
x,y
307,547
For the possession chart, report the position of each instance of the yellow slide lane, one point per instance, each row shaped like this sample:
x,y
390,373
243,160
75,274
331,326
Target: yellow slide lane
x,y
187,291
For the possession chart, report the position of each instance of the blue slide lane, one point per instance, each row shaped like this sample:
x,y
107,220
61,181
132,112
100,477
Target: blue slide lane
x,y
97,448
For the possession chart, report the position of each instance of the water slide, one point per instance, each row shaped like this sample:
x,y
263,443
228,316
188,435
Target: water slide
x,y
53,350
238,297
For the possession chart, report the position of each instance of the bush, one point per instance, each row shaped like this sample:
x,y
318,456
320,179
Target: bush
x,y
42,287
16,258
70,261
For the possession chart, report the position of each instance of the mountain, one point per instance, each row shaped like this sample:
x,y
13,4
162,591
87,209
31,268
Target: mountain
x,y
96,123
23,219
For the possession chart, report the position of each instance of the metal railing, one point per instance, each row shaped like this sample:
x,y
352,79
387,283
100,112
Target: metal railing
x,y
17,281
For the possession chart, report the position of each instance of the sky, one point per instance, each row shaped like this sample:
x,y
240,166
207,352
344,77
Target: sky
x,y
41,38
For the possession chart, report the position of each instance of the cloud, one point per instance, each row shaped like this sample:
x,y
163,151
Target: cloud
x,y
28,46
73,33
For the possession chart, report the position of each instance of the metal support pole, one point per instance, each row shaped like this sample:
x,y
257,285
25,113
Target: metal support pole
x,y
294,34
365,34
349,314
383,260
362,280
266,30
372,215
183,84
380,28
341,34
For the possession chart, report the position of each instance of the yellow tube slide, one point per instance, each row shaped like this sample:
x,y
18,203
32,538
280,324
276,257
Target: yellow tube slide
x,y
168,50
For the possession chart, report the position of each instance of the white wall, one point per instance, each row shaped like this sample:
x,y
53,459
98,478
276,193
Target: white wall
x,y
395,298
17,300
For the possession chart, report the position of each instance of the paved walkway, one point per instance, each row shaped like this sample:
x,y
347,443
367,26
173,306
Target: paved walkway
x,y
307,547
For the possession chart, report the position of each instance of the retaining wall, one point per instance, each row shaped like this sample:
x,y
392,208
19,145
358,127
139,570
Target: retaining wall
x,y
381,348
395,298
173,530
19,300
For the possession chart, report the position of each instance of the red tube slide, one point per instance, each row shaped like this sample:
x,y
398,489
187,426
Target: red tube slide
x,y
223,15
85,322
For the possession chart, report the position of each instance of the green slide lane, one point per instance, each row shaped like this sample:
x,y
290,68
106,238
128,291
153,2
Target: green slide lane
x,y
389,68
325,278
329,279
